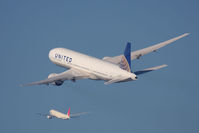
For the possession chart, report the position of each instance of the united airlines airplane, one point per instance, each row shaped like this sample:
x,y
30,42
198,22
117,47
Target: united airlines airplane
x,y
56,114
109,69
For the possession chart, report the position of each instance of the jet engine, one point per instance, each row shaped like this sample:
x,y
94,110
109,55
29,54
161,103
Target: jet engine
x,y
58,82
49,117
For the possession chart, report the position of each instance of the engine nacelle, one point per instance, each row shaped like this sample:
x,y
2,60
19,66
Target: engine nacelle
x,y
49,117
58,82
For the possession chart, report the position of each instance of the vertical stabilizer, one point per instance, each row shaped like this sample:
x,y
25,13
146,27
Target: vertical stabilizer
x,y
125,62
68,112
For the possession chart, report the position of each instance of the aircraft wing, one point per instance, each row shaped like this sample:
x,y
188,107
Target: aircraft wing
x,y
46,115
137,54
149,69
42,114
78,114
67,75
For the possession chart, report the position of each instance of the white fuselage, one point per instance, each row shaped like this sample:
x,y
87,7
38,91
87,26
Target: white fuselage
x,y
58,114
96,68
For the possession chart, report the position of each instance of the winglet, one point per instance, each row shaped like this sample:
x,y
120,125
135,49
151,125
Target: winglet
x,y
68,112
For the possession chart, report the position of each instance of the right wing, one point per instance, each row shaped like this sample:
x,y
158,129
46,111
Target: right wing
x,y
67,75
137,54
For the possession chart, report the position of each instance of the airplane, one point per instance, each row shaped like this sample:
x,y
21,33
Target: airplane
x,y
56,114
109,69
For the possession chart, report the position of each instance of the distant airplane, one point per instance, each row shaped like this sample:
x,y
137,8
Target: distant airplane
x,y
59,115
110,69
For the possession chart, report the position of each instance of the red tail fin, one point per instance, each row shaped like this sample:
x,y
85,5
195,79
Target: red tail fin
x,y
68,112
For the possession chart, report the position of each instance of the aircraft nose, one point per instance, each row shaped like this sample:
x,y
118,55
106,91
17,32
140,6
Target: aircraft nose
x,y
51,53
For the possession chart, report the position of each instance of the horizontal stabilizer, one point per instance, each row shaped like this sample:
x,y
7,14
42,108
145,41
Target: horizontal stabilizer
x,y
149,69
115,80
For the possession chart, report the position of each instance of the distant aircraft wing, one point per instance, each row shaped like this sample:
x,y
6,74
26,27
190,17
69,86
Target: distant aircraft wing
x,y
45,115
149,69
137,54
42,114
67,75
78,114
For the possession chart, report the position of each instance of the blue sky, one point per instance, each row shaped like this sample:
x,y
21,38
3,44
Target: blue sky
x,y
162,101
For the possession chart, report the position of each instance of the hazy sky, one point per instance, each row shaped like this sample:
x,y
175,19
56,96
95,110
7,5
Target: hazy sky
x,y
164,101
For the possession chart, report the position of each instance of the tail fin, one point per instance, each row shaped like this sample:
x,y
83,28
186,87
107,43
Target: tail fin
x,y
68,112
125,62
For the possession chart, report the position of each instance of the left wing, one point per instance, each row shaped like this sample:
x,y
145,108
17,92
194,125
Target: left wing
x,y
67,75
137,54
78,114
46,115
